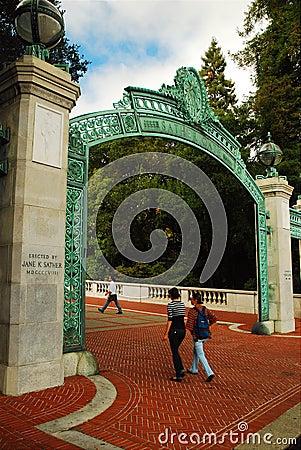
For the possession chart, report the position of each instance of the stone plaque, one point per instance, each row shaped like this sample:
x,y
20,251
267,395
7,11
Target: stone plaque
x,y
285,215
48,136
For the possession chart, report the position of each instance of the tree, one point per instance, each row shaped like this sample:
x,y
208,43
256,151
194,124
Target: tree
x,y
271,33
272,49
239,205
240,214
11,47
221,93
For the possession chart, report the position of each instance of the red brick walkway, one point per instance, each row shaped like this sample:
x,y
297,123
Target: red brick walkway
x,y
257,380
20,415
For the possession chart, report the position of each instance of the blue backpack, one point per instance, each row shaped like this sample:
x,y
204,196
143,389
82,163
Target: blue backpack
x,y
202,325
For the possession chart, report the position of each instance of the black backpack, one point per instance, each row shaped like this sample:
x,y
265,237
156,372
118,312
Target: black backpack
x,y
202,324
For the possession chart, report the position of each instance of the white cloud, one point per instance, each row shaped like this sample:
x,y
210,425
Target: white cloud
x,y
143,43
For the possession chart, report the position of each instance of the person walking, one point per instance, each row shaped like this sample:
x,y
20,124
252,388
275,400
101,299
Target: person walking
x,y
111,297
200,335
175,330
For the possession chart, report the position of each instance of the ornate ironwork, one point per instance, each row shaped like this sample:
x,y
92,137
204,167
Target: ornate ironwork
x,y
191,96
263,285
75,277
295,223
74,309
180,112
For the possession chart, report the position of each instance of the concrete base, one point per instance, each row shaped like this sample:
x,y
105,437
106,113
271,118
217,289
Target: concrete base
x,y
29,378
284,326
263,328
80,363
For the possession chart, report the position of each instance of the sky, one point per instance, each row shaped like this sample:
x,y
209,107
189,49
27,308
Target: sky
x,y
142,43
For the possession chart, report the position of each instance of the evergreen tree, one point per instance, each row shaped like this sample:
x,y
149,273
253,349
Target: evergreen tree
x,y
239,205
11,47
221,93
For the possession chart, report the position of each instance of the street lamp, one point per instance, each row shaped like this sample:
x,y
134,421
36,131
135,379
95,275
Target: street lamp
x,y
40,24
270,155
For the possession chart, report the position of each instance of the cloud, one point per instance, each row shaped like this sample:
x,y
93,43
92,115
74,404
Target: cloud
x,y
143,43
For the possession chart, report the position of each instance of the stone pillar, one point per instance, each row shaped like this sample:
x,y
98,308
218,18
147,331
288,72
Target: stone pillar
x,y
277,193
35,101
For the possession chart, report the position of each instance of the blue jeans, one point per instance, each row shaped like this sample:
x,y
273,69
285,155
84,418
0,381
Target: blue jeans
x,y
112,298
199,355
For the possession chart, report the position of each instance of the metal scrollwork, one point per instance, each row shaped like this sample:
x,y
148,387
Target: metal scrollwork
x,y
191,95
262,262
74,273
181,112
129,123
76,171
125,103
295,223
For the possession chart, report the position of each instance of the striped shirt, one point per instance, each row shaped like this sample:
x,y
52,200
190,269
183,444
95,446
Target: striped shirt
x,y
176,313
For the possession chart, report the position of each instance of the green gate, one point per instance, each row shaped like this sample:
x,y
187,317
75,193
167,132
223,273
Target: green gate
x,y
179,112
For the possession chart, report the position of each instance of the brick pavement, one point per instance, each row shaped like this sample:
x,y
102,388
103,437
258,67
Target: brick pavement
x,y
20,415
257,380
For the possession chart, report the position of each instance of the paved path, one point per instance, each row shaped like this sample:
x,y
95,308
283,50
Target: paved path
x,y
257,380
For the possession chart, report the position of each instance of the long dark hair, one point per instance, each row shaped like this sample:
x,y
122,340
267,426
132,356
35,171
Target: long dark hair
x,y
197,296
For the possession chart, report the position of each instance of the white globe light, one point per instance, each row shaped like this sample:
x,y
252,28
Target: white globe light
x,y
39,22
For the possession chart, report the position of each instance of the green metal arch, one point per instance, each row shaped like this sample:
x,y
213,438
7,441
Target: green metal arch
x,y
179,112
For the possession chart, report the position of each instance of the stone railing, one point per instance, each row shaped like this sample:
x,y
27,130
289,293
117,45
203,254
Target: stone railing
x,y
219,299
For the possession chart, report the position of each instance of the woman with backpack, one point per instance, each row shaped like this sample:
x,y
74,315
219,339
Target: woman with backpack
x,y
198,323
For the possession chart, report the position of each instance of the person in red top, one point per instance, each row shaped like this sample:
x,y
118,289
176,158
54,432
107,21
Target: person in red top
x,y
198,349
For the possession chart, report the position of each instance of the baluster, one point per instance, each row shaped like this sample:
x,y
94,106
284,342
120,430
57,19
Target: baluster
x,y
209,297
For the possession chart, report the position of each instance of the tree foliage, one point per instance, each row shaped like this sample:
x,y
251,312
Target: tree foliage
x,y
221,92
271,32
236,119
11,47
239,247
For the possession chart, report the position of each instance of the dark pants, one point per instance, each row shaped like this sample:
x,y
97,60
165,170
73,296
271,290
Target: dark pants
x,y
176,337
112,298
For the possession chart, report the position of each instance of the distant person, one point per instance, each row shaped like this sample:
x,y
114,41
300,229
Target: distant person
x,y
175,330
111,297
200,334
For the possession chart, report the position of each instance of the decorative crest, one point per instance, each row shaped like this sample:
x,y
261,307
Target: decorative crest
x,y
190,93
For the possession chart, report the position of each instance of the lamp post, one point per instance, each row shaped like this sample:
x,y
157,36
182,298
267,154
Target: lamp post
x,y
270,155
40,24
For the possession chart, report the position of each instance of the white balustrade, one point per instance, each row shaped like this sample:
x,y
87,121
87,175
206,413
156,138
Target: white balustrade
x,y
218,299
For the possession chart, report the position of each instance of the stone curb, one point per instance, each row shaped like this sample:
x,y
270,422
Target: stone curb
x,y
285,429
63,428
